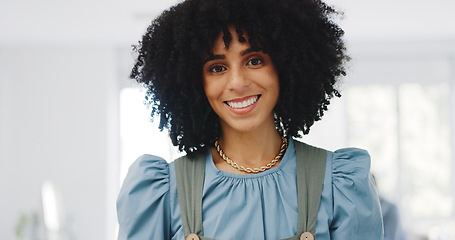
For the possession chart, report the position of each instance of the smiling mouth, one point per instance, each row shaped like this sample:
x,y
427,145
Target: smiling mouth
x,y
244,103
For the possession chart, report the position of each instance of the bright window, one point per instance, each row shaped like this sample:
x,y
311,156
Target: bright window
x,y
400,106
139,135
406,129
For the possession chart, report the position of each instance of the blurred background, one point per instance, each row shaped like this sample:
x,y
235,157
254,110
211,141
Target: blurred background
x,y
71,122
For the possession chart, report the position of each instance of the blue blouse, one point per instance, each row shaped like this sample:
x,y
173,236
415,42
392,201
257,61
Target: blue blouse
x,y
257,206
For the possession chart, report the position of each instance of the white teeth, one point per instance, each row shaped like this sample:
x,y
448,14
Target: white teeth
x,y
243,104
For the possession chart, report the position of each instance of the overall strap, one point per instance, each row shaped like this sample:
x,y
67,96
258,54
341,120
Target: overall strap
x,y
311,163
189,173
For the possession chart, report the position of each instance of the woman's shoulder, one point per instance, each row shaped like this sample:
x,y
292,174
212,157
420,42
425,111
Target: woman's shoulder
x,y
350,168
355,200
149,174
342,161
145,192
147,160
147,168
355,162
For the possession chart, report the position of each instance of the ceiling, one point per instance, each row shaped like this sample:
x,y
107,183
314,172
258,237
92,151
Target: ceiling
x,y
115,22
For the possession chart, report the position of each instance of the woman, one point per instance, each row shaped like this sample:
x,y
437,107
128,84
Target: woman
x,y
233,81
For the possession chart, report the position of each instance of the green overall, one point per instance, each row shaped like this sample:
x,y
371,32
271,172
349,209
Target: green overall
x,y
311,163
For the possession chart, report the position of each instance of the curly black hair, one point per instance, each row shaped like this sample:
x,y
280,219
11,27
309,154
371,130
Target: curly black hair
x,y
304,43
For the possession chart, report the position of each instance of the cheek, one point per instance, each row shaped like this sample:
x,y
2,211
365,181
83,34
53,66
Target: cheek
x,y
275,90
271,75
206,87
273,83
211,91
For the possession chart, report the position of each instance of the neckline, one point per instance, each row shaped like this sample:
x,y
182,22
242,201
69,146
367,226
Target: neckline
x,y
210,165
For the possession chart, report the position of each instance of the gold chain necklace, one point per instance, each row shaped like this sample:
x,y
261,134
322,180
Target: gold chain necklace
x,y
284,146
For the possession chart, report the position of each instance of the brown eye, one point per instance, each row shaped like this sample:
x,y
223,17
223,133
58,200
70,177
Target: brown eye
x,y
217,69
255,61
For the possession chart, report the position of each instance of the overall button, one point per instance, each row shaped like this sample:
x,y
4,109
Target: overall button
x,y
192,236
306,236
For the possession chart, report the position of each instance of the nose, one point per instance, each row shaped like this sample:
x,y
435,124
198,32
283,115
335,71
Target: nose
x,y
238,79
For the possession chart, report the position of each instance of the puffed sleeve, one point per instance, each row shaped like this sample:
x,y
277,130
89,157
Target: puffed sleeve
x,y
356,208
143,209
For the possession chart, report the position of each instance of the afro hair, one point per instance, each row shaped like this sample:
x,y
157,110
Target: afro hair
x,y
306,47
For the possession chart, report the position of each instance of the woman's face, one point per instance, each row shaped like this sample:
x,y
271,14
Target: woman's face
x,y
241,85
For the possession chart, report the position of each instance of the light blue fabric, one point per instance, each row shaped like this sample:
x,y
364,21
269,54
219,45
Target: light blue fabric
x,y
259,206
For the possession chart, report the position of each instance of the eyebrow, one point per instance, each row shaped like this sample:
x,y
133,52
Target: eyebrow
x,y
250,50
212,56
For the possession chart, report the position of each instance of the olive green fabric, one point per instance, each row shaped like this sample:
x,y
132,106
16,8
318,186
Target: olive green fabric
x,y
311,163
189,174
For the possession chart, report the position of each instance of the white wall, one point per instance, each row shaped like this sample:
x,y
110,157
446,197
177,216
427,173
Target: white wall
x,y
54,125
58,95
